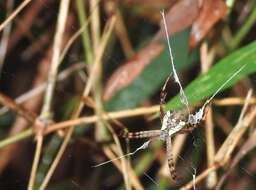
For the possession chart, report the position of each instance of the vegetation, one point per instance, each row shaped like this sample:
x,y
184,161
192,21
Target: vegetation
x,y
75,75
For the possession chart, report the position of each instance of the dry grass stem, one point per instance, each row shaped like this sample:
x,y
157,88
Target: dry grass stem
x,y
124,162
223,155
76,114
133,177
211,180
14,14
123,114
86,120
244,150
78,101
100,129
46,109
233,101
32,177
5,35
130,113
231,141
8,102
9,152
107,116
55,61
111,8
223,123
95,27
73,38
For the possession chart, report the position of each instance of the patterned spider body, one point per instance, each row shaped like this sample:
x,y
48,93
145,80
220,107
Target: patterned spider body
x,y
172,122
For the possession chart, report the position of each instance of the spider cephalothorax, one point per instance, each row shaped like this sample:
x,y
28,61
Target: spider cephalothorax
x,y
171,123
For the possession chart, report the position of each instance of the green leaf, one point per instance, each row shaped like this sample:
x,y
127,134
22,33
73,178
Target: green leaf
x,y
207,84
154,75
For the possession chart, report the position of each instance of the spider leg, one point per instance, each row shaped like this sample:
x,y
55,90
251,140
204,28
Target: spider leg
x,y
183,97
163,95
188,129
142,134
170,159
197,117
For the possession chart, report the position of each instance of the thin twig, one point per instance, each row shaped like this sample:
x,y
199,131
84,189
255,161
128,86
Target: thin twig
x,y
5,35
95,27
100,129
8,102
62,18
224,153
231,141
244,29
244,150
107,116
112,7
39,145
124,162
76,114
134,180
86,41
85,120
233,101
114,115
209,127
14,14
73,38
16,138
55,61
20,123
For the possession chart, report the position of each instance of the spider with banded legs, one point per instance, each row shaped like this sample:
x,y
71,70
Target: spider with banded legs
x,y
175,121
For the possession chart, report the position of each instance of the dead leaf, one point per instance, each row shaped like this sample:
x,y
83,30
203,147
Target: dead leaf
x,y
212,11
126,73
147,3
179,17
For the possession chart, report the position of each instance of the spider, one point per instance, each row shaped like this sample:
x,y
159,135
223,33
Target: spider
x,y
173,122
176,121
